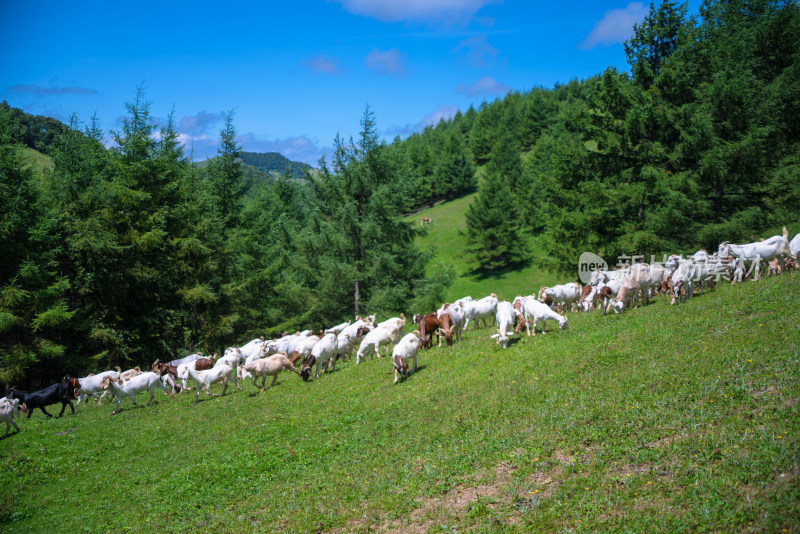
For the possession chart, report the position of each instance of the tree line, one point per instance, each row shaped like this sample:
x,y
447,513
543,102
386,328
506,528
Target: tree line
x,y
698,143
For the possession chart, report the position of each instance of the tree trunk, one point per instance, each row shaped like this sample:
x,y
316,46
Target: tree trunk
x,y
357,297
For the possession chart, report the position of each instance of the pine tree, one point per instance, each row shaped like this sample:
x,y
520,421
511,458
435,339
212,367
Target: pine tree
x,y
227,176
493,226
655,39
358,245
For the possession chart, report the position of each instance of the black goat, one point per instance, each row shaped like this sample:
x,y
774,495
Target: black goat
x,y
62,392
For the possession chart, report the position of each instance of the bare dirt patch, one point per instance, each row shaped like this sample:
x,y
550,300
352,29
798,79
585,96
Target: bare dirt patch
x,y
452,506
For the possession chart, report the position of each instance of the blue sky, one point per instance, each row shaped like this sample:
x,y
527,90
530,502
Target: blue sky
x,y
297,73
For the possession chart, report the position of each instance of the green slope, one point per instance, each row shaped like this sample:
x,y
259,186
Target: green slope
x,y
663,419
447,236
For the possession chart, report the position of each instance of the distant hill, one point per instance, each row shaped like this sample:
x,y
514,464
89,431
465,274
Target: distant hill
x,y
273,164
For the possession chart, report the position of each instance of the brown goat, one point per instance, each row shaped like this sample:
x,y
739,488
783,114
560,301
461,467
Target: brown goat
x,y
428,325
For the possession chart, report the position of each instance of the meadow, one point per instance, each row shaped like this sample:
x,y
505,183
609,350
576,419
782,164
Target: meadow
x,y
662,419
446,236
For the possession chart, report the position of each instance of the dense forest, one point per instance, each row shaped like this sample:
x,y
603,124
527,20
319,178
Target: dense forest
x,y
127,254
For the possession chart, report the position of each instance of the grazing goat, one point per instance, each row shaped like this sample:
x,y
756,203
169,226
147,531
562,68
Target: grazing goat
x,y
588,298
607,292
428,326
321,353
637,281
457,318
146,381
8,409
405,350
505,321
269,366
536,311
446,329
221,372
775,267
63,392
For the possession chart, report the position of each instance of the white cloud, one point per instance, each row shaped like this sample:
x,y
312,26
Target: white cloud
x,y
449,12
616,26
484,86
431,119
324,64
390,62
477,51
199,123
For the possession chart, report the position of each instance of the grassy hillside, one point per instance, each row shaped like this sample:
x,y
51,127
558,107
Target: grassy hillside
x,y
273,164
32,159
664,419
447,235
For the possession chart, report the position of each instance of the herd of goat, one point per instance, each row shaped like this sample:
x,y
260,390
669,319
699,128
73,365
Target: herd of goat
x,y
608,290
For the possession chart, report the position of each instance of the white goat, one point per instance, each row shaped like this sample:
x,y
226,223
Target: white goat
x,y
405,350
457,318
323,351
91,385
183,370
636,281
505,322
535,311
346,342
754,253
563,295
608,292
383,334
8,409
233,358
794,245
586,302
145,381
479,310
338,329
269,366
221,372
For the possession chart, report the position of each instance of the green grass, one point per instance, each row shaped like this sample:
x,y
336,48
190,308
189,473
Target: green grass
x,y
32,159
447,236
664,419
